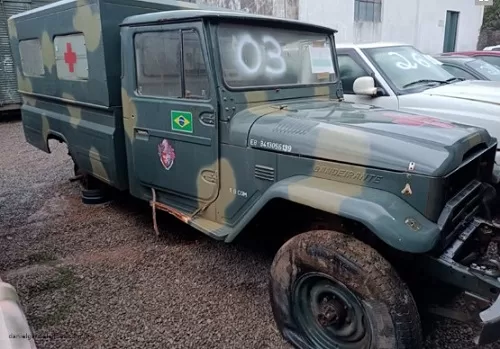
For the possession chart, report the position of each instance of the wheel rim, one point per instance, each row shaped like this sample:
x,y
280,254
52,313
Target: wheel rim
x,y
329,314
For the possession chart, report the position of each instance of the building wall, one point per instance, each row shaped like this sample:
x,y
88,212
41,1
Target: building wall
x,y
8,80
277,8
417,22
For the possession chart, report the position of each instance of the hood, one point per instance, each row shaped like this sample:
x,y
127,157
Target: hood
x,y
366,136
474,90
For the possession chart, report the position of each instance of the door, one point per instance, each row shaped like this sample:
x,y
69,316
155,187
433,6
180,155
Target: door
x,y
450,31
175,145
352,67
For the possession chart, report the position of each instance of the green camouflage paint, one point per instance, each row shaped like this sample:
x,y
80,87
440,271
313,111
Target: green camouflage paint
x,y
237,149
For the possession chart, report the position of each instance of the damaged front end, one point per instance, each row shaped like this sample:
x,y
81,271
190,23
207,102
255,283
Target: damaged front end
x,y
468,256
472,263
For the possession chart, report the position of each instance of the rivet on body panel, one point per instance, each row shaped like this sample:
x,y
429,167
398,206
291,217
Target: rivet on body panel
x,y
413,223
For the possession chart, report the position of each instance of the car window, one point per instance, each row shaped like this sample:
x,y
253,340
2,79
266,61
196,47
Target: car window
x,y
349,71
491,71
406,68
495,60
458,72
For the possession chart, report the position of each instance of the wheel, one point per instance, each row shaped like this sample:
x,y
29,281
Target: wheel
x,y
329,290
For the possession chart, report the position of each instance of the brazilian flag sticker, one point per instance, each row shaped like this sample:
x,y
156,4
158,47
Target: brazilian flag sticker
x,y
182,121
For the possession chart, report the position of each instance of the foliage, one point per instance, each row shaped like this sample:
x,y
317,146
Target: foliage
x,y
491,19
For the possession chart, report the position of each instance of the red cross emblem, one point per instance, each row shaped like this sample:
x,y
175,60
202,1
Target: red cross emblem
x,y
70,57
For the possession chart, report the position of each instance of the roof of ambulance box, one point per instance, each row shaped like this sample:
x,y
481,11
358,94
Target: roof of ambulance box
x,y
181,15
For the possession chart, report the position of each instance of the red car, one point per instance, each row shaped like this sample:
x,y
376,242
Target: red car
x,y
492,57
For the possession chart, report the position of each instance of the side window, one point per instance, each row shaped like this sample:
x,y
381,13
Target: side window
x,y
458,72
495,60
160,59
158,63
31,57
195,71
349,71
71,57
367,10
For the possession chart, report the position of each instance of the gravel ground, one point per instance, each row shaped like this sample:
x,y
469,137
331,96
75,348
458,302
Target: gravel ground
x,y
98,277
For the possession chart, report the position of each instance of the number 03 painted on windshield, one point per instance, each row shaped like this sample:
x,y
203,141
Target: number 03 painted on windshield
x,y
279,66
406,64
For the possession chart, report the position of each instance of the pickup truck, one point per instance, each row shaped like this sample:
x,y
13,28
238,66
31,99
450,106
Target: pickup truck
x,y
398,76
224,119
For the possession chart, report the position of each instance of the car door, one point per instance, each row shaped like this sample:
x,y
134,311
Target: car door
x,y
175,146
351,67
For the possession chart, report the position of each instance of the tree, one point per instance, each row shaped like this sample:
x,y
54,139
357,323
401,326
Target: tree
x,y
491,19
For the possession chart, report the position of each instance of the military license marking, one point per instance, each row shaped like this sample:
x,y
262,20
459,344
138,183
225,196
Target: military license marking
x,y
181,121
271,145
237,192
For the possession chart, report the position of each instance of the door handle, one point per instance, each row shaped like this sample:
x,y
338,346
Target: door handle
x,y
208,119
141,134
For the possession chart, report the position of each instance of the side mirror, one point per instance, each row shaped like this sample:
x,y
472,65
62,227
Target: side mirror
x,y
365,85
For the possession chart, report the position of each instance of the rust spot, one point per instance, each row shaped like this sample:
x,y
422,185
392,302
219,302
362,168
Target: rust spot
x,y
172,211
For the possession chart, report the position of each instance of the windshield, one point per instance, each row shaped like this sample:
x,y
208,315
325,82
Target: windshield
x,y
407,68
488,70
258,56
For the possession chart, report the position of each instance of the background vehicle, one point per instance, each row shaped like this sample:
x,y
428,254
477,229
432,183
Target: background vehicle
x,y
492,48
9,97
15,332
492,57
469,68
399,76
218,117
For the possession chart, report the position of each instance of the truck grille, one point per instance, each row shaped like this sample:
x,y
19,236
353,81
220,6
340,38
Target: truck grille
x,y
465,192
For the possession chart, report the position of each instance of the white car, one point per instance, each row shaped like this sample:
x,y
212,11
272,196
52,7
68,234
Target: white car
x,y
400,77
15,332
492,48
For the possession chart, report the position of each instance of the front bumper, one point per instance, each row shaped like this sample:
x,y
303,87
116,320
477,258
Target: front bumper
x,y
490,323
15,332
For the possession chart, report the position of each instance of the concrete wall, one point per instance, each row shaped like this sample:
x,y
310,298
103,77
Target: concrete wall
x,y
417,22
277,8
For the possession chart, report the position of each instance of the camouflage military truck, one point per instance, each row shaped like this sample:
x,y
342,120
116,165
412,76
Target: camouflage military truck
x,y
220,117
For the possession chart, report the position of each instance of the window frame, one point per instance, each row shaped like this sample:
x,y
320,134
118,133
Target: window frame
x,y
458,67
384,89
481,56
66,35
346,54
376,15
179,28
40,52
214,31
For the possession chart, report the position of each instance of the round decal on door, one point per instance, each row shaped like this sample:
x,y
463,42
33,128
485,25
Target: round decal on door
x,y
167,154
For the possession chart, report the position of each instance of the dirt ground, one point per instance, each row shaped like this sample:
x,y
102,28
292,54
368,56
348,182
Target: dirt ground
x,y
98,277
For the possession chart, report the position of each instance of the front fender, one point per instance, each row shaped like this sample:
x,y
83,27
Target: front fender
x,y
381,212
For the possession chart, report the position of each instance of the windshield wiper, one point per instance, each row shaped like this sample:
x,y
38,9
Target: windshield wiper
x,y
425,80
455,80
